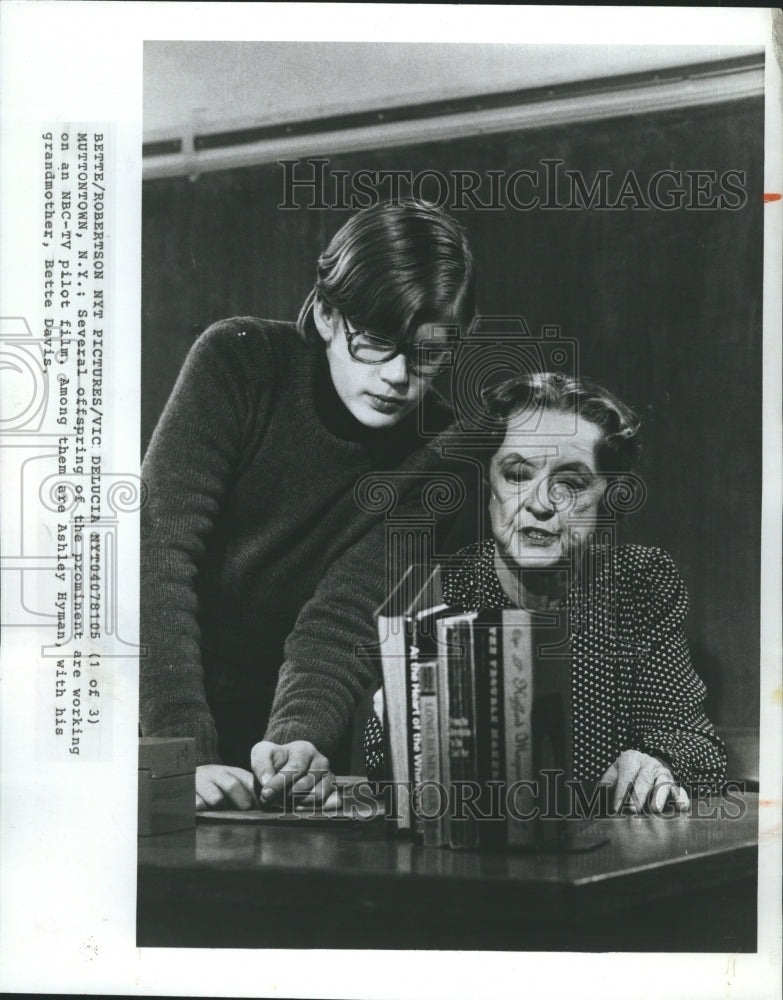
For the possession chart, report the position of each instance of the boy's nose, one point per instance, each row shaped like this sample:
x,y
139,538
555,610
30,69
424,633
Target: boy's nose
x,y
395,371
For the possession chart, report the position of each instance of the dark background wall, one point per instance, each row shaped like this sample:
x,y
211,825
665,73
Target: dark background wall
x,y
666,308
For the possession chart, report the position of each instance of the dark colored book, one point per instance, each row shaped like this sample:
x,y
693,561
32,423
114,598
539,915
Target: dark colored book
x,y
490,728
459,731
552,724
430,800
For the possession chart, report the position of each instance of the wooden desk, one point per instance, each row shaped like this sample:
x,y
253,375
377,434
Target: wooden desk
x,y
685,883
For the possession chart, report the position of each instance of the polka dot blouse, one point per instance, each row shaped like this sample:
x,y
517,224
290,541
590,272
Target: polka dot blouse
x,y
632,683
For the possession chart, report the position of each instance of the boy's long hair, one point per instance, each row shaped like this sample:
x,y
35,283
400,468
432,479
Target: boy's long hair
x,y
393,267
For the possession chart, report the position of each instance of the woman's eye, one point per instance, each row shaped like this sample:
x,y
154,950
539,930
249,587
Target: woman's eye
x,y
572,484
516,474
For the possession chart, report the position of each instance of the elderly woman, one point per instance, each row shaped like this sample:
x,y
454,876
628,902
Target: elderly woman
x,y
561,447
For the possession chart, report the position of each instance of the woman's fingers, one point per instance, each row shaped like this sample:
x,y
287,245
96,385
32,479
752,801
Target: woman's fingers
x,y
662,790
627,768
609,776
682,801
667,790
641,781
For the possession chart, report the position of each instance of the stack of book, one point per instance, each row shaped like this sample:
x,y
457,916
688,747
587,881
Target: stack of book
x,y
477,717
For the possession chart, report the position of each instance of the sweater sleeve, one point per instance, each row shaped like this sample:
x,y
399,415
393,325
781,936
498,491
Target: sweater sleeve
x,y
668,699
327,666
331,654
193,450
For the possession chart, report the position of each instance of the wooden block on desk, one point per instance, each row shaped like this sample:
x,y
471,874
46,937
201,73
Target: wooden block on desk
x,y
163,756
167,784
166,804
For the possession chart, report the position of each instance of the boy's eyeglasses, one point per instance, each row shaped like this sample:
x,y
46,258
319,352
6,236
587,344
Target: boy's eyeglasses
x,y
424,359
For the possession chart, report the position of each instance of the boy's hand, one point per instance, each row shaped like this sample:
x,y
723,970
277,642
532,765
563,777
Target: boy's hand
x,y
298,769
219,786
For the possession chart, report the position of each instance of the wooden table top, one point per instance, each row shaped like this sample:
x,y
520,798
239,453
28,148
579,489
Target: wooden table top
x,y
307,864
341,847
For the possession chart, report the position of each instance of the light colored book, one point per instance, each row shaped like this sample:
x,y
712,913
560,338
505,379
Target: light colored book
x,y
418,589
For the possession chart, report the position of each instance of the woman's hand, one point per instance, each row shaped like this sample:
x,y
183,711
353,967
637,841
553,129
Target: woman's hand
x,y
640,780
298,769
219,786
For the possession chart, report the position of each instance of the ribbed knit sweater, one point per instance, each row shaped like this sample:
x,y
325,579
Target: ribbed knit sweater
x,y
256,555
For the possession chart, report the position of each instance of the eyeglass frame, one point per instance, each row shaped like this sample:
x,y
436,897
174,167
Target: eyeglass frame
x,y
405,350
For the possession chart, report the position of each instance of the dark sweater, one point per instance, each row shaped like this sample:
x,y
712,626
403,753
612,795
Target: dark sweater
x,y
250,524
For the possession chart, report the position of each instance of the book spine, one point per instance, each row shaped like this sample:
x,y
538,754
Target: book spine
x,y
490,747
551,718
414,738
393,637
444,631
517,711
431,800
497,755
462,737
